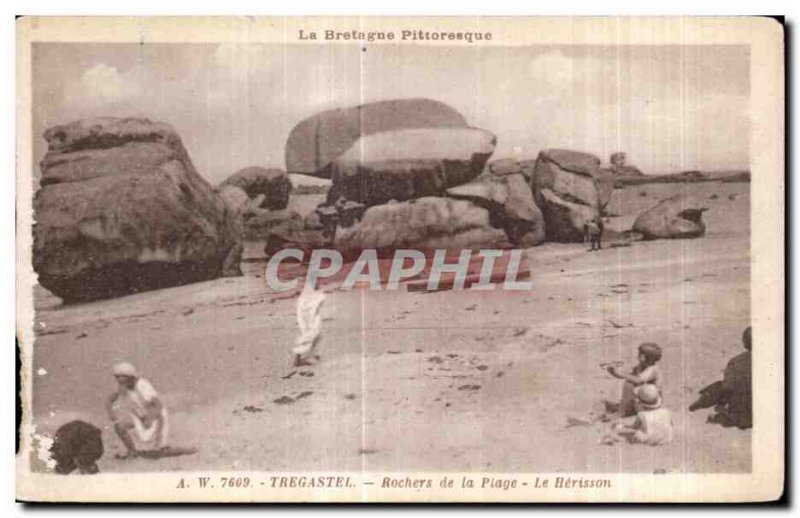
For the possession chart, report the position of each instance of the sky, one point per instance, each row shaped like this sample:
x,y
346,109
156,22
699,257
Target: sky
x,y
670,108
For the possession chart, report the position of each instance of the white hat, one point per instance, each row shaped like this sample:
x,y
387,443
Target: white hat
x,y
124,369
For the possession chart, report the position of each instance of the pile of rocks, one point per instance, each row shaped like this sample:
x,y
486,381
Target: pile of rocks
x,y
571,189
387,157
391,165
122,209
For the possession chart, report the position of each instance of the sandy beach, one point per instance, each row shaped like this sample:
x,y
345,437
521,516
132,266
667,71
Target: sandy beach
x,y
484,381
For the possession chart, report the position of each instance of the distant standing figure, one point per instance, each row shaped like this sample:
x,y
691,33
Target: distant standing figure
x,y
593,233
77,444
645,372
733,396
140,418
653,424
309,320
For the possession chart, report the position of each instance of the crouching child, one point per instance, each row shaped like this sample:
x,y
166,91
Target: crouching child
x,y
139,416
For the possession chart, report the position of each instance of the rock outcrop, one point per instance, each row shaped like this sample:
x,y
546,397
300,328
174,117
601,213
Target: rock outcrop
x,y
423,224
260,223
508,198
570,190
317,141
272,186
620,167
235,198
412,163
121,209
679,216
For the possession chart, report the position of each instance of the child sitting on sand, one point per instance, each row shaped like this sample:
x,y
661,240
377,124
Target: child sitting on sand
x,y
653,424
646,372
139,417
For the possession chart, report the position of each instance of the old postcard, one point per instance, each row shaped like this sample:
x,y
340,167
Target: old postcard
x,y
355,259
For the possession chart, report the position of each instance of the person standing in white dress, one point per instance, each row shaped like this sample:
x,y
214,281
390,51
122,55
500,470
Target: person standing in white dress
x,y
309,320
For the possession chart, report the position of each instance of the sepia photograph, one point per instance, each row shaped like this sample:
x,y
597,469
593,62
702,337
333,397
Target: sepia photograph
x,y
400,259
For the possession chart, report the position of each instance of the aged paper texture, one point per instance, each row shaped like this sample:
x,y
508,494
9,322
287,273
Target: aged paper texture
x,y
354,259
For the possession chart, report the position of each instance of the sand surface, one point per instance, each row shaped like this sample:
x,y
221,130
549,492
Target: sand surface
x,y
453,380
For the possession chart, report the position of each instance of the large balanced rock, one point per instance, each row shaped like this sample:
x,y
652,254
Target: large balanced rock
x,y
411,163
679,216
272,185
508,198
423,224
571,191
319,140
122,209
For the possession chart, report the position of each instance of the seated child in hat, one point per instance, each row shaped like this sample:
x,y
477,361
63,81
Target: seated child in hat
x,y
653,423
139,417
645,372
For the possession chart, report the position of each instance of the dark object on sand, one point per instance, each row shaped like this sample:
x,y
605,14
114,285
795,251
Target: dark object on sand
x,y
166,451
469,387
575,421
732,398
77,444
710,396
